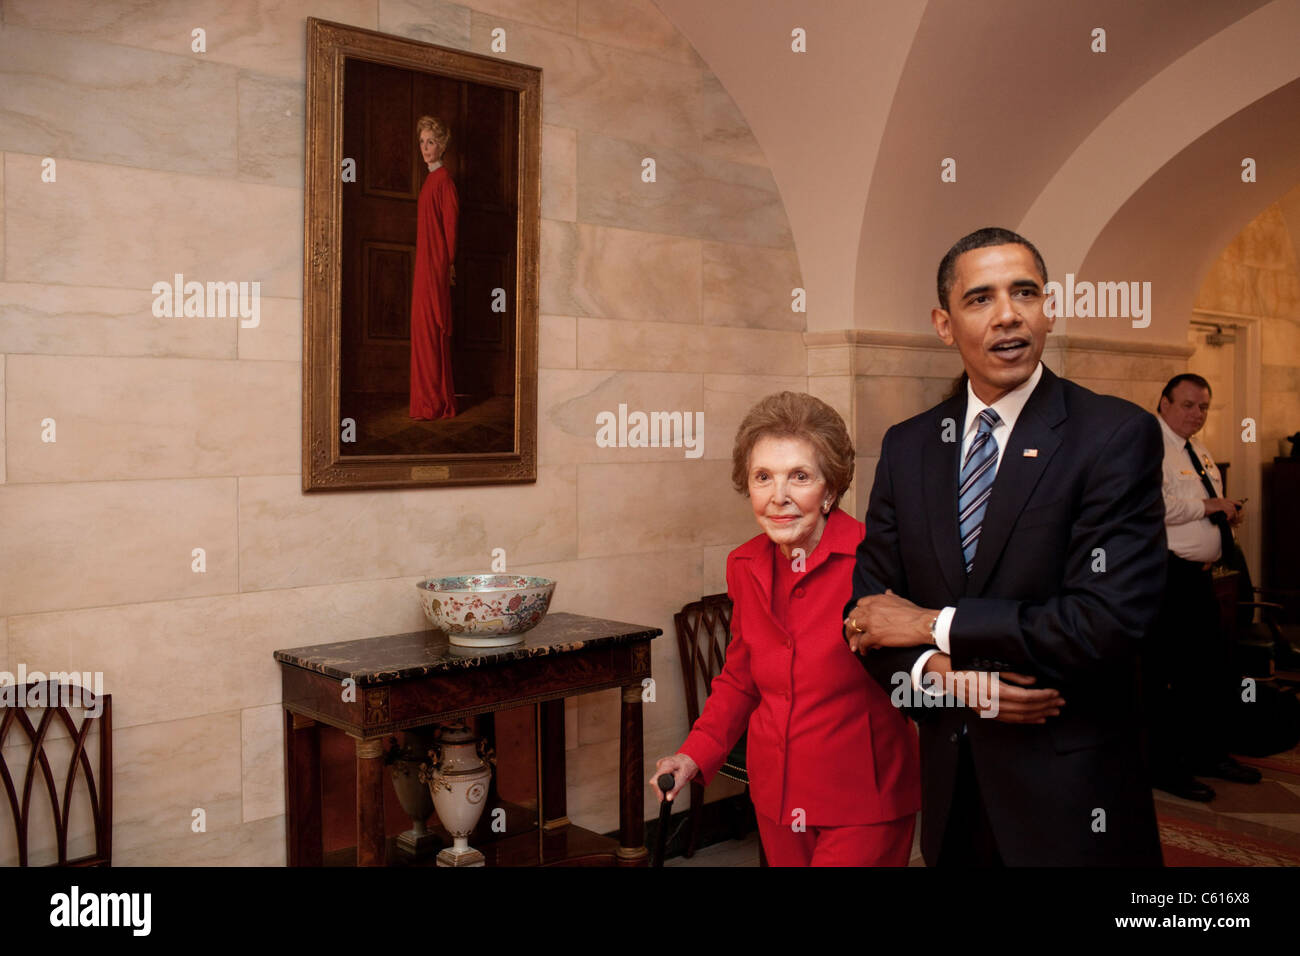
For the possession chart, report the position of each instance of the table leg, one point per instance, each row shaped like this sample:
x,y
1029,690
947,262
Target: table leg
x,y
631,807
302,793
554,797
370,801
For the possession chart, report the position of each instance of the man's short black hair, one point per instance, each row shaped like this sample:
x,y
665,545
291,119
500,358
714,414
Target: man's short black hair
x,y
988,236
1177,380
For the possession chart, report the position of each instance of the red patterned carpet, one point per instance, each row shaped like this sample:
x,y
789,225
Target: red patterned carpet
x,y
1244,825
1286,762
1187,843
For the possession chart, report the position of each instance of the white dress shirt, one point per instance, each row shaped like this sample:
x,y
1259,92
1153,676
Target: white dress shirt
x,y
1192,536
1008,407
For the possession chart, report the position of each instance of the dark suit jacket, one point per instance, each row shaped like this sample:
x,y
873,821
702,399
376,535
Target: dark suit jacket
x,y
1073,791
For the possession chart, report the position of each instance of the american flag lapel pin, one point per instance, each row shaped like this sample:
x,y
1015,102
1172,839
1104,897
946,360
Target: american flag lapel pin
x,y
1031,453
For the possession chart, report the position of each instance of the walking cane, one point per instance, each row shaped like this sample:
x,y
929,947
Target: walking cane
x,y
665,783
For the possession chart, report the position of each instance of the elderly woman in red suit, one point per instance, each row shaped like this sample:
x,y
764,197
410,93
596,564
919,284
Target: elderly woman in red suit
x,y
437,210
833,765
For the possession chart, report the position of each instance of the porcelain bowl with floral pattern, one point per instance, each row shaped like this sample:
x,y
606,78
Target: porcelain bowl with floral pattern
x,y
484,609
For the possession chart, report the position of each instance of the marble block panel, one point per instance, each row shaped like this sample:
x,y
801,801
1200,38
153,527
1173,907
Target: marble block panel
x,y
86,320
1264,244
724,132
271,129
123,228
298,617
265,35
570,402
1229,286
1280,341
619,274
561,15
72,98
658,506
668,709
750,286
156,658
259,843
591,86
1087,363
1120,388
635,25
882,401
558,346
277,336
1278,413
1280,378
836,392
864,479
288,539
1289,206
693,195
163,772
143,417
85,544
1279,293
677,347
592,797
599,715
729,398
429,21
644,589
938,361
830,361
570,723
262,742
559,173
713,574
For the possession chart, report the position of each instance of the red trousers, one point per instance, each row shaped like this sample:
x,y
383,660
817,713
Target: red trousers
x,y
875,844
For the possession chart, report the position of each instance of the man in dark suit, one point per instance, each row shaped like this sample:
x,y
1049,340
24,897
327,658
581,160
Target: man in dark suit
x,y
1015,540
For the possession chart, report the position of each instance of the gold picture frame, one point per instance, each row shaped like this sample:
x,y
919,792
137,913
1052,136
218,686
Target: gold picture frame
x,y
364,89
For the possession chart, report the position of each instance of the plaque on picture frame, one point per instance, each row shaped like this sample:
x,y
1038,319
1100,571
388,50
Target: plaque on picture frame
x,y
420,286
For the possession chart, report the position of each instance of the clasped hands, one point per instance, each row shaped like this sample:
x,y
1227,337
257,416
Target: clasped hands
x,y
887,620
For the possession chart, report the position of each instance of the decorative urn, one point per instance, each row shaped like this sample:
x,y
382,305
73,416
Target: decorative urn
x,y
458,774
404,762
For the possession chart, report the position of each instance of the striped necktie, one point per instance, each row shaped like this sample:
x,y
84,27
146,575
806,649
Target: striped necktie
x,y
976,484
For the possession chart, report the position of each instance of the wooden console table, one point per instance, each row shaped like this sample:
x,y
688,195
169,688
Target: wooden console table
x,y
403,681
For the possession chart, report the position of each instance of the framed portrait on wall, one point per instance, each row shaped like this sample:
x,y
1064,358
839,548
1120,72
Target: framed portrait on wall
x,y
420,291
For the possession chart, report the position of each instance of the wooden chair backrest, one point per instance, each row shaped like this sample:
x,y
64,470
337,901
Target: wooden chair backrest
x,y
19,787
703,633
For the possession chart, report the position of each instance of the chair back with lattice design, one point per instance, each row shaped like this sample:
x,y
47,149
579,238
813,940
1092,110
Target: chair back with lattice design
x,y
703,633
42,764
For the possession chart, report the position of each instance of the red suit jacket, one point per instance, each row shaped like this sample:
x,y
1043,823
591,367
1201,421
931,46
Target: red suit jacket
x,y
823,736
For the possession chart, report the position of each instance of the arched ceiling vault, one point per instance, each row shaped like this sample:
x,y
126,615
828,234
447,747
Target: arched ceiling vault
x,y
1119,165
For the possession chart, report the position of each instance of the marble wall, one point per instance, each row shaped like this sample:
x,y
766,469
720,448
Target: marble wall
x,y
176,434
1257,277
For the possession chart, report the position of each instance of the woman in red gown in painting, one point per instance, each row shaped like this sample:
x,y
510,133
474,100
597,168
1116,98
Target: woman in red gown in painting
x,y
432,394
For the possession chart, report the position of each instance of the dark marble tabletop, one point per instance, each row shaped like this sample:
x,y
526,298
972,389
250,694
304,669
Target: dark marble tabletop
x,y
377,660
